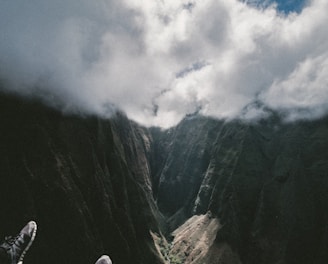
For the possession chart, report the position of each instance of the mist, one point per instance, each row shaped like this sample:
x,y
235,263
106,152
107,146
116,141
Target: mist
x,y
160,60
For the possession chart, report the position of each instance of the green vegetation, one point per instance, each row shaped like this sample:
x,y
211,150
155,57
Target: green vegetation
x,y
176,260
165,250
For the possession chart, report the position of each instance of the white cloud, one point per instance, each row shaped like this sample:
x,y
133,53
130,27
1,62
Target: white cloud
x,y
305,88
142,57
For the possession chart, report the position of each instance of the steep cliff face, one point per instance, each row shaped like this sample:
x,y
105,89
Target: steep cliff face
x,y
221,192
181,155
85,181
266,183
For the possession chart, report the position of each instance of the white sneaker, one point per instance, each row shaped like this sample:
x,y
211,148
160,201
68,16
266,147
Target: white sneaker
x,y
17,246
104,259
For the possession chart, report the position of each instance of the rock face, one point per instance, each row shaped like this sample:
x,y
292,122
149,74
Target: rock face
x,y
251,193
182,157
193,241
265,182
85,181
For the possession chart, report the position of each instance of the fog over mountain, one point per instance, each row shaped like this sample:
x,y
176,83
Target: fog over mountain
x,y
160,60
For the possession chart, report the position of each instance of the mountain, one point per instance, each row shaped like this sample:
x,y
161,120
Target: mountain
x,y
205,191
265,182
84,180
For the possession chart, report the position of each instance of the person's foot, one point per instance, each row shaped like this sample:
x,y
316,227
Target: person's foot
x,y
104,259
17,246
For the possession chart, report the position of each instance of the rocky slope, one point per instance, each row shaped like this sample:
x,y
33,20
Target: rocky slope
x,y
85,181
266,183
221,192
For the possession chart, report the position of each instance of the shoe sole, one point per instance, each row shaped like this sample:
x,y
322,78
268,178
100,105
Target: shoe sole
x,y
20,261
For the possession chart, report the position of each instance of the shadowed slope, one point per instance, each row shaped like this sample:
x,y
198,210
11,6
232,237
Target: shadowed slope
x,y
85,181
94,185
266,182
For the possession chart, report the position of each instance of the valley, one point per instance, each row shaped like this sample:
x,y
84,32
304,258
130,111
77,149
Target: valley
x,y
206,191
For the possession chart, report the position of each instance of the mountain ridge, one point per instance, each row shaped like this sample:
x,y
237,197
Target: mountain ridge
x,y
101,186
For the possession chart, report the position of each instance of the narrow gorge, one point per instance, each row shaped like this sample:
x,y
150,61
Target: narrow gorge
x,y
204,192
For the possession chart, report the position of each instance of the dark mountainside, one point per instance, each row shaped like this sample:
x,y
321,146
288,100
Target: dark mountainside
x,y
252,193
266,183
85,181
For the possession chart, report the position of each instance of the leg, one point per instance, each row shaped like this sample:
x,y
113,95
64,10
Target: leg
x,y
3,256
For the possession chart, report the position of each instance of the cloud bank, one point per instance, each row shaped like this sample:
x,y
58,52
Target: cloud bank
x,y
160,60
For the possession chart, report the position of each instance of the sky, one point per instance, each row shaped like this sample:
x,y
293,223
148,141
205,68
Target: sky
x,y
160,60
283,6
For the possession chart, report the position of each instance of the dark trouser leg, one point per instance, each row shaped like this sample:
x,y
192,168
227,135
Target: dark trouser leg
x,y
3,256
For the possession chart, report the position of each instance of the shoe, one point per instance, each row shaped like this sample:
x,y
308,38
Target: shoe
x,y
104,259
17,246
